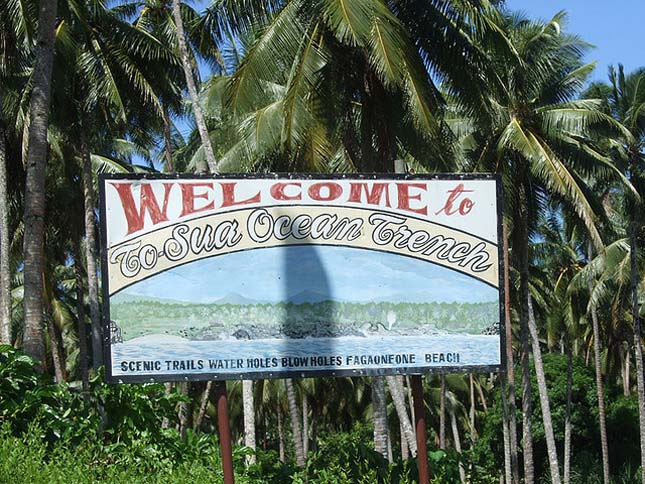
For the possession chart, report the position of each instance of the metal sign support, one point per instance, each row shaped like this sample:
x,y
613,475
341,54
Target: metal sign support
x,y
221,397
420,428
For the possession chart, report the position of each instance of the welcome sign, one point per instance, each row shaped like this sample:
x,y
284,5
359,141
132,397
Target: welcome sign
x,y
238,277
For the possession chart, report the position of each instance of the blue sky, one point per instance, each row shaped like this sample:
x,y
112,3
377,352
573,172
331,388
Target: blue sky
x,y
613,27
355,275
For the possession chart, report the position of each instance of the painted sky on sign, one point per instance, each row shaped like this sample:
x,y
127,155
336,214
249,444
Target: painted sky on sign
x,y
312,274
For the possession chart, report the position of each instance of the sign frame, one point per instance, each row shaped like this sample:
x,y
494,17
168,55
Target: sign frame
x,y
309,373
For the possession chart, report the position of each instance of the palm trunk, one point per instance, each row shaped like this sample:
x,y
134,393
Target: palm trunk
x,y
184,412
552,451
638,349
165,422
408,387
80,315
626,383
379,412
90,254
527,409
599,388
203,406
472,407
280,435
34,218
442,412
57,357
305,425
567,416
249,418
5,269
192,91
295,422
169,168
457,440
398,397
482,398
510,364
508,475
405,451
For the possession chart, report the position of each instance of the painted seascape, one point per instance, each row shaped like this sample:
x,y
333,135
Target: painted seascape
x,y
308,301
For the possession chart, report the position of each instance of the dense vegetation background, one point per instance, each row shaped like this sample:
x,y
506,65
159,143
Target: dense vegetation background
x,y
323,86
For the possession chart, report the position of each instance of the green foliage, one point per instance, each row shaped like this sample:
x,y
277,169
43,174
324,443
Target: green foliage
x,y
622,419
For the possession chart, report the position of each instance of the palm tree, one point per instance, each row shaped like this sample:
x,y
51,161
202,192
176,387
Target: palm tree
x,y
192,89
249,418
541,141
34,217
624,98
5,271
371,59
157,18
105,67
379,415
294,414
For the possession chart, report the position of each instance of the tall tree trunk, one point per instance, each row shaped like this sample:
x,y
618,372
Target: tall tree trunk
x,y
552,450
405,451
638,349
442,412
295,422
80,315
280,435
379,412
169,168
203,405
527,408
184,412
165,422
192,91
57,356
482,398
398,398
34,218
510,364
249,418
90,254
471,414
508,475
456,439
626,376
599,386
567,415
5,269
305,425
408,386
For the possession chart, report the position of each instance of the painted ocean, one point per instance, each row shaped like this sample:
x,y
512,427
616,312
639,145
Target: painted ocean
x,y
171,355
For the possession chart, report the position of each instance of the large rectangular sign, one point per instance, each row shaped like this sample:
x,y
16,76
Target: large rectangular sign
x,y
264,277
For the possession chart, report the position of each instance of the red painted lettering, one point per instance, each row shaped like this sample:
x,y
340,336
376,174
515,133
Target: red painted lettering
x,y
373,197
465,205
228,191
147,203
278,191
405,197
334,191
188,197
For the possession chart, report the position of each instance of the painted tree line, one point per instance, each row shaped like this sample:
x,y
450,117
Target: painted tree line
x,y
335,86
